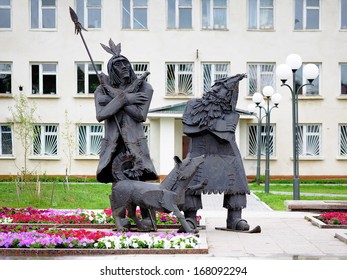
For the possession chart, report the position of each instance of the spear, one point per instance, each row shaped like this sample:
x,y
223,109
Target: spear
x,y
127,157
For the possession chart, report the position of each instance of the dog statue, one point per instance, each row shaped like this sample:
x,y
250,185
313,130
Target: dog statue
x,y
165,197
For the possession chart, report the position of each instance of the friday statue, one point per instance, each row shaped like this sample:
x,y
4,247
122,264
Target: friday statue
x,y
210,122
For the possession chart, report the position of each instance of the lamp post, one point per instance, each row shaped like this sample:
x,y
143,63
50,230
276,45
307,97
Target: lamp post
x,y
285,72
262,101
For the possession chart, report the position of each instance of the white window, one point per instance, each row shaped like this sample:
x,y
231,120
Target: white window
x,y
343,74
309,90
45,140
5,14
179,14
134,14
343,140
139,68
260,75
44,78
212,72
253,140
89,139
307,14
6,144
309,139
87,80
43,14
343,14
5,77
214,14
89,13
179,78
260,14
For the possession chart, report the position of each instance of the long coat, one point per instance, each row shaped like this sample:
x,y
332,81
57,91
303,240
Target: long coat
x,y
131,137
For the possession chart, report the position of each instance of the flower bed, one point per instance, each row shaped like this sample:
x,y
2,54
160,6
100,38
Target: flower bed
x,y
334,218
75,217
36,237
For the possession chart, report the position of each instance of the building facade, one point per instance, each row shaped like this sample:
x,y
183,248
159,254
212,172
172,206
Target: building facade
x,y
186,45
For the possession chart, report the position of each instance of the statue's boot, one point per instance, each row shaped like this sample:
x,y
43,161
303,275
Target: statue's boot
x,y
235,222
190,217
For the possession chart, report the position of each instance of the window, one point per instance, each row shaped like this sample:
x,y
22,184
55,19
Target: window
x,y
343,140
310,90
140,68
44,78
5,13
343,14
343,71
43,14
179,14
260,75
260,14
309,139
45,140
134,14
307,14
6,144
89,13
214,14
179,78
213,72
87,80
89,139
253,140
5,77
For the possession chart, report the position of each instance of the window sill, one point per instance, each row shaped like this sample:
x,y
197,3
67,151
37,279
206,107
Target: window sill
x,y
307,30
86,158
44,29
310,97
309,158
261,30
6,95
44,158
342,97
43,96
84,96
179,96
341,158
262,158
214,29
179,29
7,157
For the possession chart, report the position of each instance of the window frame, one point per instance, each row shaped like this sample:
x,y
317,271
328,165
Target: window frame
x,y
84,17
258,15
177,15
2,154
88,70
304,11
260,81
343,14
343,86
41,145
177,85
6,72
303,141
40,14
131,15
300,80
252,140
213,73
7,7
41,75
88,140
342,140
211,17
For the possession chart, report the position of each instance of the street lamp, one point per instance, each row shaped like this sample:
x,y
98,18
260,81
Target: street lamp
x,y
285,72
262,101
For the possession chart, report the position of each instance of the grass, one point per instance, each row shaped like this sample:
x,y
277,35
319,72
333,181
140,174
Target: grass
x,y
57,195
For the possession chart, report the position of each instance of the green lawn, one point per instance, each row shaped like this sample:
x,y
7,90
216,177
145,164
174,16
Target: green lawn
x,y
80,195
